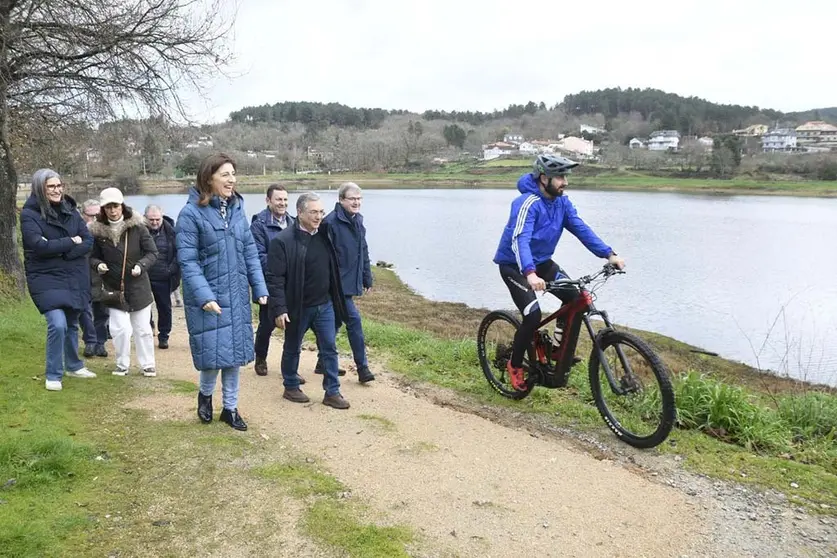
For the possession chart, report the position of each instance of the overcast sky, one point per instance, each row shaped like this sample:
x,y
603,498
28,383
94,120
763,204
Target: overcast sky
x,y
487,54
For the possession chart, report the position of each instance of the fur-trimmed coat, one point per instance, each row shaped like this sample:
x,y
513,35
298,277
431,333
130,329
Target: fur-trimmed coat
x,y
108,248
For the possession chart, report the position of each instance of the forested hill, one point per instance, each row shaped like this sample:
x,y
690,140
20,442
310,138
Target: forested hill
x,y
330,114
662,110
689,115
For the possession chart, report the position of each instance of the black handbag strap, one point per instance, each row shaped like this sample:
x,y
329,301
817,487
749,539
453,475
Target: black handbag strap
x,y
124,261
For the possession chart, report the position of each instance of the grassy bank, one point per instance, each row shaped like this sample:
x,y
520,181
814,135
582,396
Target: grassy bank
x,y
734,422
114,468
504,174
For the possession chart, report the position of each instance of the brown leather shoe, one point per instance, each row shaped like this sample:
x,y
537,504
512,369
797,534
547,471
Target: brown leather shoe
x,y
261,366
335,401
295,395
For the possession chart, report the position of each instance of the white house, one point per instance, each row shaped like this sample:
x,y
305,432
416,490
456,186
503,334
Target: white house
x,y
664,140
513,138
574,145
816,131
636,143
590,129
779,139
528,148
495,150
706,142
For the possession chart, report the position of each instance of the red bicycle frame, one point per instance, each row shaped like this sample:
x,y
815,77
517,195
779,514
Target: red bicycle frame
x,y
556,366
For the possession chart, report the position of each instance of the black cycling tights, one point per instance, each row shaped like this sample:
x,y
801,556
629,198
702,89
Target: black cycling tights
x,y
526,301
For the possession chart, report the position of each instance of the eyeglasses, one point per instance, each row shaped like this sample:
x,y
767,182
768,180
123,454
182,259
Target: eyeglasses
x,y
91,215
313,212
357,199
54,186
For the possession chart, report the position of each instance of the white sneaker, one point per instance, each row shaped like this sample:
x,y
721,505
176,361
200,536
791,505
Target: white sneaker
x,y
81,373
54,385
149,372
120,372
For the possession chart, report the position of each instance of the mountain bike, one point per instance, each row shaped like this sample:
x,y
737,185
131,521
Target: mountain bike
x,y
630,384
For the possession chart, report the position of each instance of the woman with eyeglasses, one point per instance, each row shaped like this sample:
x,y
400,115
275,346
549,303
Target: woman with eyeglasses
x,y
219,263
55,247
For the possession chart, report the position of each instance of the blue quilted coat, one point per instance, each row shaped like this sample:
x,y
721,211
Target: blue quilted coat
x,y
218,261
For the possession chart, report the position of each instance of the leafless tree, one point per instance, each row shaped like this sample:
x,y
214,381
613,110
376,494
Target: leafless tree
x,y
64,61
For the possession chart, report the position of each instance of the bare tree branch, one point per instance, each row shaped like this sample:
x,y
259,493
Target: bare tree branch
x,y
88,61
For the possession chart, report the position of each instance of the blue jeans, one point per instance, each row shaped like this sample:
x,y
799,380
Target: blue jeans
x,y
354,329
320,319
94,324
62,343
229,385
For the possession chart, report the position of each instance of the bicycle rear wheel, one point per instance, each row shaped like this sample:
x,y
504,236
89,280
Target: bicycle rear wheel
x,y
495,339
639,408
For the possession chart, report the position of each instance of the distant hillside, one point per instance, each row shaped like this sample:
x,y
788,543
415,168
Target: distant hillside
x,y
689,115
318,114
828,114
613,107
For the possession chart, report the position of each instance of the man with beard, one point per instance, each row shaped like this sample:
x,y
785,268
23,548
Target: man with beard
x,y
537,219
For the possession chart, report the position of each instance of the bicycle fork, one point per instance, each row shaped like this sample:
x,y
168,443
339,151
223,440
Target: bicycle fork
x,y
626,383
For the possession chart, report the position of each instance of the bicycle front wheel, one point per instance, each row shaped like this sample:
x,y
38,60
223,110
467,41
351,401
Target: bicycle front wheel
x,y
495,339
636,399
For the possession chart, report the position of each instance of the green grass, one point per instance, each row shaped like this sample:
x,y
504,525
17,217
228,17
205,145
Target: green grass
x,y
382,423
722,427
303,479
355,538
503,173
81,475
182,386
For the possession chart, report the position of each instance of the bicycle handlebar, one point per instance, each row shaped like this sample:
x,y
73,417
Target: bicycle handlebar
x,y
607,271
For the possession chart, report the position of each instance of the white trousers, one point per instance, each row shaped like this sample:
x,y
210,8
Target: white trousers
x,y
122,326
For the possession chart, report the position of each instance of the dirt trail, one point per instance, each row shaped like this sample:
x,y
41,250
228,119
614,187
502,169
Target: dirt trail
x,y
469,486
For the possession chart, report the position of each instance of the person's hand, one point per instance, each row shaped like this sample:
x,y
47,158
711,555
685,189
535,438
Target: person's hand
x,y
262,300
282,320
76,240
536,282
616,261
212,306
102,268
136,270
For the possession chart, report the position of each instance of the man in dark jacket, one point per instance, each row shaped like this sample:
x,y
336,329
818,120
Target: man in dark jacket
x,y
94,320
304,293
346,230
264,227
165,273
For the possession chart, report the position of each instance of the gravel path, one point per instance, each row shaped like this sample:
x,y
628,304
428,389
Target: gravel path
x,y
473,481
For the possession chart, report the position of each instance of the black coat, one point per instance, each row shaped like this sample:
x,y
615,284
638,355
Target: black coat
x,y
57,274
108,248
285,273
170,268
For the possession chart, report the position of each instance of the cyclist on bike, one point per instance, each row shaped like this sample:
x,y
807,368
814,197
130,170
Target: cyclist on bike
x,y
537,219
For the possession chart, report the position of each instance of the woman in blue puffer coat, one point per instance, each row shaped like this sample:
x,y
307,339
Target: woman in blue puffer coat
x,y
55,247
219,263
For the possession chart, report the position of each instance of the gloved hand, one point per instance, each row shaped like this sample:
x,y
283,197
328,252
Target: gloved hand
x,y
136,271
102,268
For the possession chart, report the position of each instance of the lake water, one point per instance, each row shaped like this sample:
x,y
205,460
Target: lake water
x,y
749,277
